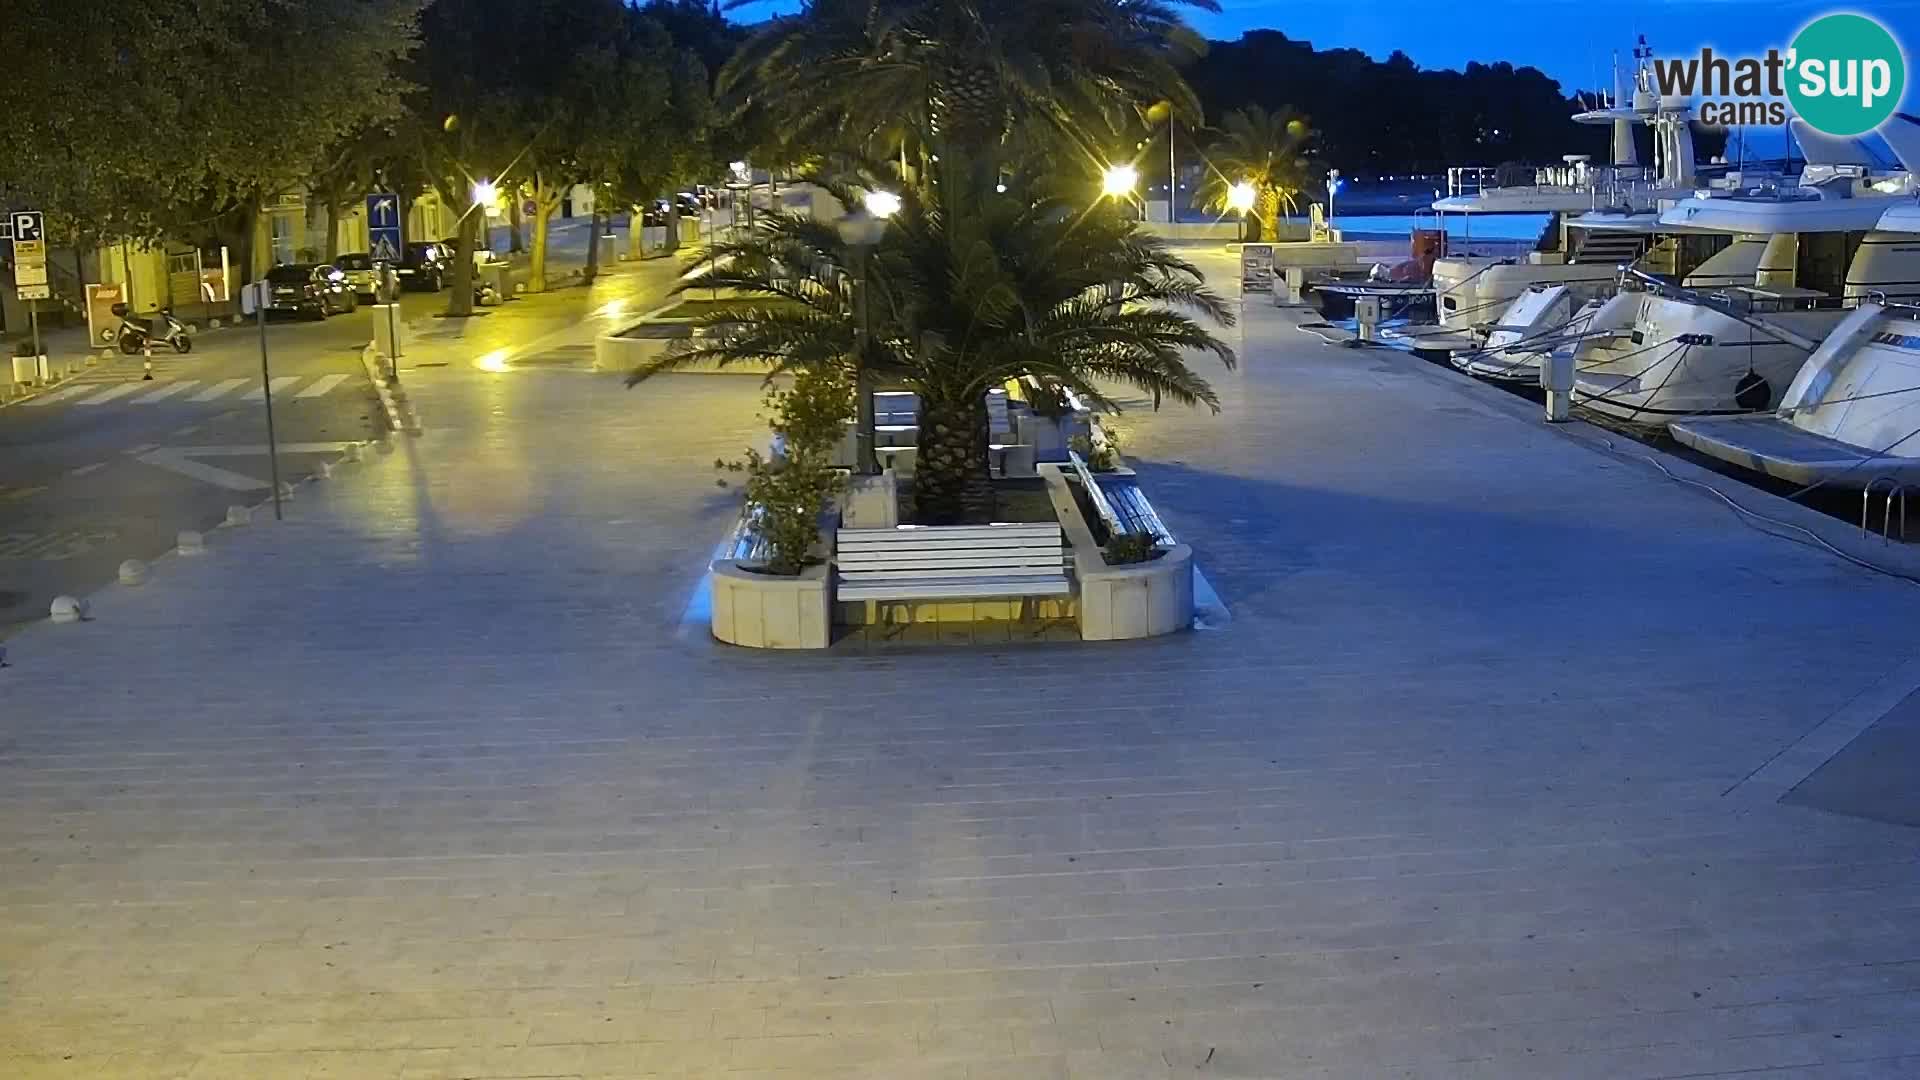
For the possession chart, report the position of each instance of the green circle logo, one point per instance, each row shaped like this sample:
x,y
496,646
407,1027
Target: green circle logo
x,y
1846,74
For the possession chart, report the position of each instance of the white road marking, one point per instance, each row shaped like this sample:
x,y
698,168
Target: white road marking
x,y
85,469
166,391
60,395
143,448
180,460
219,389
321,385
111,392
280,384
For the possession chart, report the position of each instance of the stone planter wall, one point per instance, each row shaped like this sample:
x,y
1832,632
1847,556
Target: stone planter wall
x,y
1134,600
762,611
615,352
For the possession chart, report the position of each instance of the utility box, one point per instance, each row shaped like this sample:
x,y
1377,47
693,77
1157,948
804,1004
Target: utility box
x,y
1366,313
492,278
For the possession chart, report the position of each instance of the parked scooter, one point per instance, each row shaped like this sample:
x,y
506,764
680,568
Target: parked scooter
x,y
136,334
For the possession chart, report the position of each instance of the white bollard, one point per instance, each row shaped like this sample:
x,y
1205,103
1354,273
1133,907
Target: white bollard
x,y
189,542
66,609
1366,314
1556,377
133,572
239,515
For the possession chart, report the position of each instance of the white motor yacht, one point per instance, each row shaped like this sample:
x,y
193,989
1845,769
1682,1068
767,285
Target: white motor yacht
x,y
1851,416
1658,351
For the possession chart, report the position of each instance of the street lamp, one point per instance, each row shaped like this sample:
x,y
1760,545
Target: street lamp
x,y
485,192
1240,197
861,229
1119,180
1333,188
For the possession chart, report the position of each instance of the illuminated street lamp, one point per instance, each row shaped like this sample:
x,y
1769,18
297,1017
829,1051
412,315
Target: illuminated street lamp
x,y
1240,197
881,204
1119,181
485,193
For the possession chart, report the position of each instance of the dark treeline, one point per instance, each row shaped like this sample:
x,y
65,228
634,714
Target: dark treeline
x,y
1388,117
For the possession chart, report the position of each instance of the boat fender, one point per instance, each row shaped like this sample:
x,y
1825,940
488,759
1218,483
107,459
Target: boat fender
x,y
1753,392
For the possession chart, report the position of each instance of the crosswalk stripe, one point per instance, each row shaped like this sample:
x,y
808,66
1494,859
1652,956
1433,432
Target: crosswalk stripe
x,y
59,395
166,391
110,393
280,384
321,385
219,389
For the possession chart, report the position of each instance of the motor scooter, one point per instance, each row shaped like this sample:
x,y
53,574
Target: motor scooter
x,y
136,334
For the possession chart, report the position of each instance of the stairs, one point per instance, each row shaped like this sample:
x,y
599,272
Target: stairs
x,y
1609,248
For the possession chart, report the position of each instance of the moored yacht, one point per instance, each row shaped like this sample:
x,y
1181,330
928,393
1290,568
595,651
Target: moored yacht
x,y
1697,351
1851,416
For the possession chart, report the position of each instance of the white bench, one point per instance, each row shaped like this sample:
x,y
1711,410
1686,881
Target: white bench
x,y
916,562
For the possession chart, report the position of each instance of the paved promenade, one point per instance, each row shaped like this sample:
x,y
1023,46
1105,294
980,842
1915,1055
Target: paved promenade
x,y
1480,780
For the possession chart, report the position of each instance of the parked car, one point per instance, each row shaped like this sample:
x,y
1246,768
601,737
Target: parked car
x,y
426,266
312,290
362,275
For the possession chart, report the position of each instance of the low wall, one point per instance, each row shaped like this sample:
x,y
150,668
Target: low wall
x,y
613,352
1187,232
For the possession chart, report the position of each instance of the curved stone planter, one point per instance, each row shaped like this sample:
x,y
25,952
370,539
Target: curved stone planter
x,y
1136,600
764,611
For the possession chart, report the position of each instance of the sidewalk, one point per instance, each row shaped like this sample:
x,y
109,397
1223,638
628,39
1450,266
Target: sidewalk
x,y
433,779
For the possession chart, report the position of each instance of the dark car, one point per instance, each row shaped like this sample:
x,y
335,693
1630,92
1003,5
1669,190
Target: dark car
x,y
362,275
426,265
313,290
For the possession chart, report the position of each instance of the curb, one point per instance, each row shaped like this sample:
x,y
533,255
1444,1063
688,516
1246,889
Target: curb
x,y
395,405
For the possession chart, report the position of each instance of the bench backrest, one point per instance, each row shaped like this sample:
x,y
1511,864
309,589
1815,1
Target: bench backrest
x,y
951,551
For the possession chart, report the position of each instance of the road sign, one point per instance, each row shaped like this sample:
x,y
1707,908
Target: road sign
x,y
28,225
386,233
29,254
36,292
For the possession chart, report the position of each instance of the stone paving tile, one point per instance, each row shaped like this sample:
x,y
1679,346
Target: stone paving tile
x,y
431,780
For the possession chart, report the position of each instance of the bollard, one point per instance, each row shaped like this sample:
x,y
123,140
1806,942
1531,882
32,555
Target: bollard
x,y
133,572
1366,314
1556,377
239,515
146,352
190,542
66,609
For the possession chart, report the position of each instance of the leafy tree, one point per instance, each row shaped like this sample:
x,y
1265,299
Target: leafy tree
x,y
1266,150
212,105
966,293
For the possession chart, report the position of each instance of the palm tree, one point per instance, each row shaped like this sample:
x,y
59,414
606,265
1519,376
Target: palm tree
x,y
961,74
1266,150
966,293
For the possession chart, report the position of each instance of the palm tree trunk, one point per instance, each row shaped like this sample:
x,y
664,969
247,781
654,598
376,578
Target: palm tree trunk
x,y
950,470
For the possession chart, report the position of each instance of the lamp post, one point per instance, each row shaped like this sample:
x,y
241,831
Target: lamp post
x,y
1333,188
1240,199
861,229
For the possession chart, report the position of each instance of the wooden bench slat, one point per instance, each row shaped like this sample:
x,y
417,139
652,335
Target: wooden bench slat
x,y
1025,543
949,570
906,534
976,587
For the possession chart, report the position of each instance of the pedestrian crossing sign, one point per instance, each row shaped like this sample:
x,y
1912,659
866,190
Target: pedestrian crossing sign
x,y
384,250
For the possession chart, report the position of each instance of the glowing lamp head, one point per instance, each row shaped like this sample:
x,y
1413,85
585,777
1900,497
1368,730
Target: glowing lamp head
x,y
1240,197
1119,180
485,192
881,204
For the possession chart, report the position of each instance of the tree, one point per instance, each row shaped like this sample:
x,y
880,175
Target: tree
x,y
1266,150
961,74
213,105
966,293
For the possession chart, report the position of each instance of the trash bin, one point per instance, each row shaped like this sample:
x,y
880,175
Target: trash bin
x,y
689,230
491,278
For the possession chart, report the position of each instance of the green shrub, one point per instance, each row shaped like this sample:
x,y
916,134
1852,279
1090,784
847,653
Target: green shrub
x,y
24,347
1124,548
1102,456
790,489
